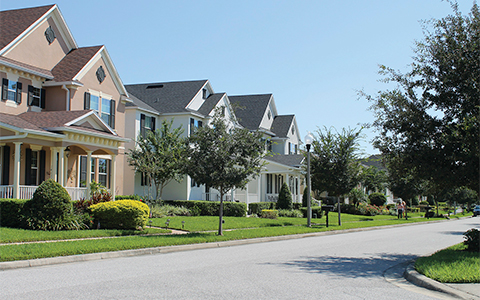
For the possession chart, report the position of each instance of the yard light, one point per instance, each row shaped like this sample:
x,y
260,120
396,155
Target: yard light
x,y
308,144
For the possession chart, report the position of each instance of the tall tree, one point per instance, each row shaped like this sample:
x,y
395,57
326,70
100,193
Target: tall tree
x,y
224,158
161,156
430,123
335,161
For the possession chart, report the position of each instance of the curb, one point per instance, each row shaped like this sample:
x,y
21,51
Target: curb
x,y
418,279
9,265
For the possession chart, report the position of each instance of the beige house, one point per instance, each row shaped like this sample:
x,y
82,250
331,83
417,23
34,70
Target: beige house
x,y
62,108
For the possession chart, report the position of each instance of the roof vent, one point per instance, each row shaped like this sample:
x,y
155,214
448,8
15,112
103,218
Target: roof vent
x,y
156,86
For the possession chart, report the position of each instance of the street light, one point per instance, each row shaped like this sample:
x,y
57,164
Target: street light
x,y
308,143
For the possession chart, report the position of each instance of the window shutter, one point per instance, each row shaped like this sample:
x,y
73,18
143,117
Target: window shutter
x,y
28,166
83,171
4,88
200,123
30,95
19,92
112,113
86,101
142,178
142,125
109,167
42,166
6,165
192,125
42,98
153,124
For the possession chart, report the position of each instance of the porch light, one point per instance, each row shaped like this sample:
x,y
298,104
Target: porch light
x,y
308,144
67,151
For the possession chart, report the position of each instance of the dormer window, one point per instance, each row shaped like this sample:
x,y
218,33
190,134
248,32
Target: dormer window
x,y
50,35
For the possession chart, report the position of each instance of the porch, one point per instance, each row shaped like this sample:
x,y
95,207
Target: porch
x,y
27,191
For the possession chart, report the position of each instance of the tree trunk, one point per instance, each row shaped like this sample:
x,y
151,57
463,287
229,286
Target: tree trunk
x,y
220,214
339,212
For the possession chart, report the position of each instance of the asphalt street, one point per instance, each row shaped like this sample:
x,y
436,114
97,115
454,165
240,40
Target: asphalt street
x,y
339,266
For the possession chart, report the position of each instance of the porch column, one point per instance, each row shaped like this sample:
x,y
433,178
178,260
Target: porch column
x,y
297,179
53,163
287,180
113,176
259,187
16,171
61,168
89,169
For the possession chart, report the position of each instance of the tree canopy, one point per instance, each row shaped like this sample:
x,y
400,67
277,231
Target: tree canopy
x,y
429,124
160,156
224,158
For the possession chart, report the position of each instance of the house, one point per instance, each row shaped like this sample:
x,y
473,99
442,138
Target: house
x,y
282,140
62,108
190,104
376,162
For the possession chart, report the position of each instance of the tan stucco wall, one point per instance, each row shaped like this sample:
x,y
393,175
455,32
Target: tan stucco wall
x,y
35,50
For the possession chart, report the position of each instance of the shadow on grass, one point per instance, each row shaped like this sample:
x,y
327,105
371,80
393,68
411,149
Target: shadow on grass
x,y
349,267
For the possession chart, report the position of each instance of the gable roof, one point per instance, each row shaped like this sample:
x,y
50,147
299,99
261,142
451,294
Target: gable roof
x,y
73,62
210,103
167,97
281,125
251,109
15,22
291,160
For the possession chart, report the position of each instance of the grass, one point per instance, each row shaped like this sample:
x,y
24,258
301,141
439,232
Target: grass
x,y
203,230
13,235
451,265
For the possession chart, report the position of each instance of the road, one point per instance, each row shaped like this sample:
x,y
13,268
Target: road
x,y
338,266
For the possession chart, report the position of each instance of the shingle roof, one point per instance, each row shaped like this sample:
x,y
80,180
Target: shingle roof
x,y
139,103
73,62
14,22
251,109
167,97
281,125
26,67
210,103
50,119
18,122
292,160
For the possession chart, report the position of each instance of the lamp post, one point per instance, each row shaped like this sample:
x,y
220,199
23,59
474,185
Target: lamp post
x,y
308,143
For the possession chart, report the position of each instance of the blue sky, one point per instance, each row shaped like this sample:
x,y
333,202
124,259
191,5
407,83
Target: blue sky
x,y
312,55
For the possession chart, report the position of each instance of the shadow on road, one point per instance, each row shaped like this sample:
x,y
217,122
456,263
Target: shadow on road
x,y
349,267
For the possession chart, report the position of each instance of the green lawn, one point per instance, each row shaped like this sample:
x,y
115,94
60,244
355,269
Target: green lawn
x,y
451,265
203,230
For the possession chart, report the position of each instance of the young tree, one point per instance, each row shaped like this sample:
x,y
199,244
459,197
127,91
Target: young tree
x,y
161,156
335,162
224,158
430,122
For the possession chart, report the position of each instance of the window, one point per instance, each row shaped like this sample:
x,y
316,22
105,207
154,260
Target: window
x,y
146,123
34,167
194,124
296,149
269,145
289,148
104,107
293,129
145,179
11,90
269,114
36,96
83,171
103,170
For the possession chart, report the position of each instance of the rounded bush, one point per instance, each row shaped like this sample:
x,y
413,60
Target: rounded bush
x,y
49,206
121,214
377,199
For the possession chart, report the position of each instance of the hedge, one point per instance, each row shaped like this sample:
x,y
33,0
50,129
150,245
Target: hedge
x,y
121,214
10,212
257,207
128,197
316,210
210,208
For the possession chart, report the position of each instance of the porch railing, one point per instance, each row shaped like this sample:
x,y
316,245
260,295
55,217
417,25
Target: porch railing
x,y
27,191
215,197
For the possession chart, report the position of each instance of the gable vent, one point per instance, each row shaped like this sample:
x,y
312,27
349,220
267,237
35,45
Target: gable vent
x,y
157,86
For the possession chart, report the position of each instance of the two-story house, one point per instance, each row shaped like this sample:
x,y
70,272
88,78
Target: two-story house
x,y
62,107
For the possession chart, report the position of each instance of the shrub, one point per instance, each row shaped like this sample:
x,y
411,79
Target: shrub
x,y
257,207
48,208
269,213
304,198
472,240
10,212
357,196
291,213
284,198
210,208
160,211
128,197
121,214
377,199
316,210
